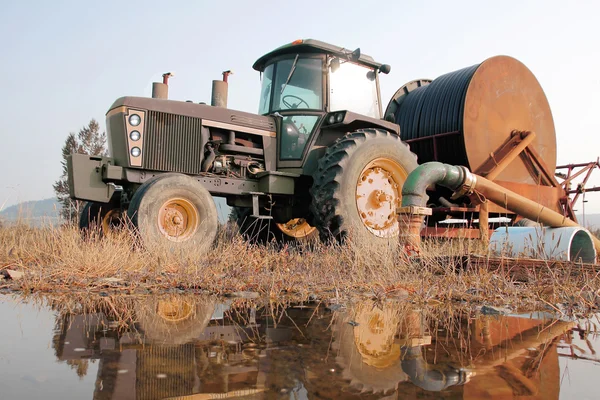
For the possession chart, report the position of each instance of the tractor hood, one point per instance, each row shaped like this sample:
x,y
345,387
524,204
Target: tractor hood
x,y
193,110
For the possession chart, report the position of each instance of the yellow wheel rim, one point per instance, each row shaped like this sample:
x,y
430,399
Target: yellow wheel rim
x,y
378,194
297,228
111,220
174,310
374,338
178,219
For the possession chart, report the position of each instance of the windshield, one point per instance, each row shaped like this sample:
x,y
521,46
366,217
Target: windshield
x,y
290,84
354,88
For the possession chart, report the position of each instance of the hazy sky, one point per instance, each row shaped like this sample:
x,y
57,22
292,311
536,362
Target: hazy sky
x,y
65,62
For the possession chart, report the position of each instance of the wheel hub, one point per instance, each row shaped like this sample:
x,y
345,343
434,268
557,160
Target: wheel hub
x,y
178,219
174,310
378,194
111,220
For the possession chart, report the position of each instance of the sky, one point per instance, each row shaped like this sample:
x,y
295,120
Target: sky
x,y
65,62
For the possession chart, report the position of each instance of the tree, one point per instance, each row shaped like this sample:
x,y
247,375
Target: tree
x,y
90,141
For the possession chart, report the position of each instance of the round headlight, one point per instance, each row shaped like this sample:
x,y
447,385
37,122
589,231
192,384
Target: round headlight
x,y
136,152
339,117
331,119
135,135
134,120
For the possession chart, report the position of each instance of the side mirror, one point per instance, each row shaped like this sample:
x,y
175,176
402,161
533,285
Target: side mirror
x,y
355,55
334,65
385,69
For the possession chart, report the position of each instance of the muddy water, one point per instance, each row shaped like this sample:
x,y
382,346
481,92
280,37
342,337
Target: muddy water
x,y
190,347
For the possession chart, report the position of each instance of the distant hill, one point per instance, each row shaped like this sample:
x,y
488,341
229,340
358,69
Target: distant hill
x,y
33,212
592,221
46,211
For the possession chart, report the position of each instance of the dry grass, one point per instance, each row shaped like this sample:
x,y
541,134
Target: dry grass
x,y
60,259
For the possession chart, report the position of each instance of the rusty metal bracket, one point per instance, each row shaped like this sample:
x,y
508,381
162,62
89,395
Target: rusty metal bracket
x,y
414,210
538,168
501,158
567,203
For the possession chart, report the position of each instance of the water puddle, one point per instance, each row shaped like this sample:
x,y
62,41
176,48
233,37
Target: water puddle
x,y
191,347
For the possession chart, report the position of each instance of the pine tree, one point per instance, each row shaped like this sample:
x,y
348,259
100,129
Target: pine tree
x,y
90,141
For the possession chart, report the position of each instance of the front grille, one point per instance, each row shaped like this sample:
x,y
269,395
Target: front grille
x,y
172,143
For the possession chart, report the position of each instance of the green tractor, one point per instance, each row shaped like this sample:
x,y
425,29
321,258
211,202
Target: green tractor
x,y
317,159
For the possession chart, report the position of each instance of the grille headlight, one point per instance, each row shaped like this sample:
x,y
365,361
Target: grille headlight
x,y
134,120
339,117
136,152
135,135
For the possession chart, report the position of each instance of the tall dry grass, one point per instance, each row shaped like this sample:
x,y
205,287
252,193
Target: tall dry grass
x,y
60,259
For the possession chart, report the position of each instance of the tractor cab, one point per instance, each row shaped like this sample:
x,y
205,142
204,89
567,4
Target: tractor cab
x,y
307,81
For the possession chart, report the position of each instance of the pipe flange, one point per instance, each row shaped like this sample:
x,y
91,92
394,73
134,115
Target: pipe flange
x,y
467,187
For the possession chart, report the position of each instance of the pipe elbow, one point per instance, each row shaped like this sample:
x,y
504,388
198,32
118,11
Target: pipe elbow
x,y
425,175
430,377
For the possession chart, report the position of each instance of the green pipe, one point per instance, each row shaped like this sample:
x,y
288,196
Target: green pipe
x,y
425,175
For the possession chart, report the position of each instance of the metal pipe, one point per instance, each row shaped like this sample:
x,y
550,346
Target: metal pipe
x,y
160,90
463,182
425,175
430,377
219,94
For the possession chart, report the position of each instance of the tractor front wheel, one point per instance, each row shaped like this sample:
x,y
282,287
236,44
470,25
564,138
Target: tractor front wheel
x,y
175,211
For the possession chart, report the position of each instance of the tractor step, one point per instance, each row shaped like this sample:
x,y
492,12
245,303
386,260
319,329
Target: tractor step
x,y
255,206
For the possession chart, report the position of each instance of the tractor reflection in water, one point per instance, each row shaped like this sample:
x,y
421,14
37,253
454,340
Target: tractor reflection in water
x,y
199,348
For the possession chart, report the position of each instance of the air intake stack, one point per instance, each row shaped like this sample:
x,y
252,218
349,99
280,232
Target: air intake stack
x,y
219,91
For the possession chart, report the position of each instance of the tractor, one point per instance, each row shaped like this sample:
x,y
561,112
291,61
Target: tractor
x,y
318,159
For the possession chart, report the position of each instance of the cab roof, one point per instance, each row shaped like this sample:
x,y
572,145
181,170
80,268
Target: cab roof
x,y
312,46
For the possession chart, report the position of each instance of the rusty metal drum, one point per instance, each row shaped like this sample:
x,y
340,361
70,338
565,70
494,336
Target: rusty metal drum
x,y
462,117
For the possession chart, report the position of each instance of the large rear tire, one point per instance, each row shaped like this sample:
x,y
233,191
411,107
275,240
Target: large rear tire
x,y
358,186
262,231
175,211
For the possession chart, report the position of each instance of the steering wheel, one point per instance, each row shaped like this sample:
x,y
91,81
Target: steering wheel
x,y
288,105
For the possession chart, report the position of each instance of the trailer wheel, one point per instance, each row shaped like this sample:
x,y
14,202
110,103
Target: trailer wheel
x,y
100,217
175,211
358,185
265,230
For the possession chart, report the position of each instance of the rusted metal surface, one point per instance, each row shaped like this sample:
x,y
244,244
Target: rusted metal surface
x,y
526,265
464,116
574,171
546,196
524,206
504,95
378,194
499,159
452,232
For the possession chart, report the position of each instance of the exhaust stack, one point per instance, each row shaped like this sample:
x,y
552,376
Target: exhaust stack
x,y
219,91
161,90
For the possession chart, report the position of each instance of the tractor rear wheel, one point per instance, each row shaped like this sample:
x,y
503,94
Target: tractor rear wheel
x,y
358,185
102,217
176,211
262,231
